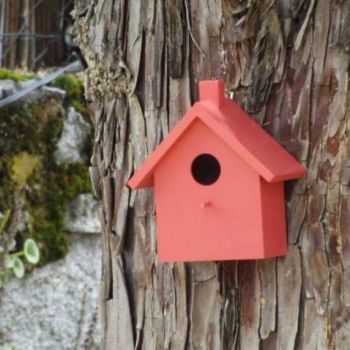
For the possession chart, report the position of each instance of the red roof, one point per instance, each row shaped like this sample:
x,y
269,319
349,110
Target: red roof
x,y
239,131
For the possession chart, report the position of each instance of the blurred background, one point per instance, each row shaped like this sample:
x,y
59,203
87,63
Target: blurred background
x,y
49,217
35,33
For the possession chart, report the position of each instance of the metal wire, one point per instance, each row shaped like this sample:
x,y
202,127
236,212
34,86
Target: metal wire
x,y
32,85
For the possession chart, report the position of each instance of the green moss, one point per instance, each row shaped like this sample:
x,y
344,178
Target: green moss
x,y
15,76
22,168
52,188
71,84
4,219
33,131
75,91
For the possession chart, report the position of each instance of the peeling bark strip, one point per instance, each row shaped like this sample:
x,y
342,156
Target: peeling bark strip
x,y
285,61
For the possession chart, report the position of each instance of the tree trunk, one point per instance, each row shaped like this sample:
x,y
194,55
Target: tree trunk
x,y
286,63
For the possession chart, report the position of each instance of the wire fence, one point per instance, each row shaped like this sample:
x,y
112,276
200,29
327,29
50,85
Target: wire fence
x,y
32,33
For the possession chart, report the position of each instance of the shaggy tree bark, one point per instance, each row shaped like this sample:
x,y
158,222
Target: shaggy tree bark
x,y
286,63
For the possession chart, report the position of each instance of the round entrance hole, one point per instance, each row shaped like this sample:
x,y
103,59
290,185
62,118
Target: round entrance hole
x,y
205,169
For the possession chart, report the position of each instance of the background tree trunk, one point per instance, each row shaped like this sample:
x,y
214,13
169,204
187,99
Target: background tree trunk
x,y
286,63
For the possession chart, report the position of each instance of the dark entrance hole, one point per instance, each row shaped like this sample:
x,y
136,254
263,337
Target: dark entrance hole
x,y
205,169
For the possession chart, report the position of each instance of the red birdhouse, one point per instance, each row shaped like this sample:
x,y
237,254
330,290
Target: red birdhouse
x,y
218,179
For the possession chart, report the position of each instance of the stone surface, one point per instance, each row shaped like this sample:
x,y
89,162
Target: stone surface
x,y
54,307
70,146
23,220
7,87
54,91
83,215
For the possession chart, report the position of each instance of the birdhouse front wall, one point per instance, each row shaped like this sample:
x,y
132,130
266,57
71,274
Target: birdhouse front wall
x,y
200,221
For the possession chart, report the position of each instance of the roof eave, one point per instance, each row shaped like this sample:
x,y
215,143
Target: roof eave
x,y
143,177
292,175
137,181
293,171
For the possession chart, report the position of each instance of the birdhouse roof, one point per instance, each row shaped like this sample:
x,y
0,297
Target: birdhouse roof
x,y
239,131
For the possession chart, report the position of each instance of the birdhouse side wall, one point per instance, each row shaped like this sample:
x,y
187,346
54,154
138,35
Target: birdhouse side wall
x,y
274,221
199,222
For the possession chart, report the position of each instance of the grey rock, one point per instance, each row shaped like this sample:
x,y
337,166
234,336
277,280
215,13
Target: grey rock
x,y
71,143
54,307
23,220
83,215
50,90
7,88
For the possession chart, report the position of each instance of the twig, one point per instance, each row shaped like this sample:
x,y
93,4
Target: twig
x,y
190,30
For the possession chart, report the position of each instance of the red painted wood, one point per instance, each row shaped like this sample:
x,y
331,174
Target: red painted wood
x,y
240,215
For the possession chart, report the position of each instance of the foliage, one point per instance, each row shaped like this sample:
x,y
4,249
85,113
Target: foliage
x,y
31,251
75,91
17,267
13,263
